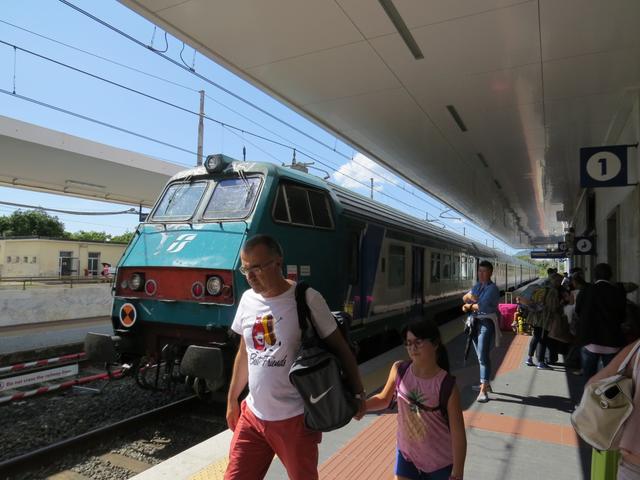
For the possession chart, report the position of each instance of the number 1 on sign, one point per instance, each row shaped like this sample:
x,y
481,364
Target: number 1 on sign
x,y
603,166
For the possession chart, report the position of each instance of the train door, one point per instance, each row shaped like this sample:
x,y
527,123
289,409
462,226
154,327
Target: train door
x,y
417,279
354,265
369,255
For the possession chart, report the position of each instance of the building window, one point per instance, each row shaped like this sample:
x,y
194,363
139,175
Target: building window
x,y
33,259
94,263
396,265
17,259
25,259
8,259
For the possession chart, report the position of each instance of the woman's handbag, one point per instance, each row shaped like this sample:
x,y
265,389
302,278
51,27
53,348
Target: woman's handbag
x,y
605,406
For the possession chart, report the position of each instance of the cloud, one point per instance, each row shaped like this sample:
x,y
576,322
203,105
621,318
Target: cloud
x,y
357,173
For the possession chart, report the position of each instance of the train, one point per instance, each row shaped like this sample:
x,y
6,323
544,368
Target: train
x,y
178,282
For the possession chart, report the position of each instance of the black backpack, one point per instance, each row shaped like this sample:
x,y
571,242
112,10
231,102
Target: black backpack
x,y
446,387
317,375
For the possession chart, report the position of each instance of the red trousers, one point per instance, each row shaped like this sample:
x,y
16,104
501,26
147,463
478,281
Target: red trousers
x,y
255,442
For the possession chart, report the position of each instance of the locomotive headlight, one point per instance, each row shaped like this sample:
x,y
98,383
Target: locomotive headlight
x,y
214,285
136,281
217,163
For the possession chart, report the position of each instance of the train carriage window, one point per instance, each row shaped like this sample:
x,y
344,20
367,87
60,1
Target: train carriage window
x,y
179,201
299,208
471,268
396,265
280,211
456,267
232,198
302,206
446,267
463,270
320,209
435,267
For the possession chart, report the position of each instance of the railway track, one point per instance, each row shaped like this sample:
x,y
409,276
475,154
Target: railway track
x,y
91,454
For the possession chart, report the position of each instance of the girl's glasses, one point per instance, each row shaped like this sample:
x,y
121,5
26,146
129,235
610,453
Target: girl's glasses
x,y
418,342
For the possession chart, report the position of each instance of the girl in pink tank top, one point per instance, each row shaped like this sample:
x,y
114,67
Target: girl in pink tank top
x,y
431,440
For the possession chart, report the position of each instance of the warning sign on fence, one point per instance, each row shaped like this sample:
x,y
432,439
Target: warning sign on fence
x,y
38,377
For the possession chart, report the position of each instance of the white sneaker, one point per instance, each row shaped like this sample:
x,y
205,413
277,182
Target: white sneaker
x,y
482,398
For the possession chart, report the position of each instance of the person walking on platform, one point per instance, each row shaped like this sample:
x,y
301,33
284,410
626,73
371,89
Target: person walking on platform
x,y
431,439
601,311
270,420
548,309
482,303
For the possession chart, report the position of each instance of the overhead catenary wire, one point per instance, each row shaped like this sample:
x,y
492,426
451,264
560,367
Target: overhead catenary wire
x,y
209,81
100,57
67,220
299,147
84,117
178,107
206,79
96,121
223,124
69,212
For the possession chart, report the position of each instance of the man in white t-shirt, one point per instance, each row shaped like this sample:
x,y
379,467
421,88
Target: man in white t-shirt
x,y
270,420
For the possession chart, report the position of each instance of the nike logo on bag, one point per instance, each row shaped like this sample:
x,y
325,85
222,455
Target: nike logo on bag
x,y
314,400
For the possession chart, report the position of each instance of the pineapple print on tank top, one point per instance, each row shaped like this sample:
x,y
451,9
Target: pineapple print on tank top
x,y
423,436
414,424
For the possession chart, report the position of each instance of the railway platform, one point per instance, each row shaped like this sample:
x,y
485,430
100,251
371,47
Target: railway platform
x,y
523,433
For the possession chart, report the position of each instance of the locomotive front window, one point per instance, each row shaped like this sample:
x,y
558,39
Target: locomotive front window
x,y
232,198
179,201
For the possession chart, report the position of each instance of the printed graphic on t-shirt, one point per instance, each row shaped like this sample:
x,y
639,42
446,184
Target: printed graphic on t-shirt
x,y
263,333
414,425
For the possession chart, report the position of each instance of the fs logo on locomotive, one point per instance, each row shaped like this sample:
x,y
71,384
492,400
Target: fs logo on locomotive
x,y
181,242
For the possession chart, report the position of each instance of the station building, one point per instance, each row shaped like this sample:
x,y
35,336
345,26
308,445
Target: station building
x,y
46,257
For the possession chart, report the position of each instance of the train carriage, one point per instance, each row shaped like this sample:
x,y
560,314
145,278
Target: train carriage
x,y
178,282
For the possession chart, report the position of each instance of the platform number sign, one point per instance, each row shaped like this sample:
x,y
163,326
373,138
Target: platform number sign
x,y
604,166
584,246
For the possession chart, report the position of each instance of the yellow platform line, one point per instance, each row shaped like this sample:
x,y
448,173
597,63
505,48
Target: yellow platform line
x,y
215,471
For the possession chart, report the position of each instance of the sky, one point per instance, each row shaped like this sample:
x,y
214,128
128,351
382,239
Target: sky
x,y
54,30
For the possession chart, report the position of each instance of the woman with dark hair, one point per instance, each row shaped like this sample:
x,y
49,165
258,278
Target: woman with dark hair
x,y
431,440
481,302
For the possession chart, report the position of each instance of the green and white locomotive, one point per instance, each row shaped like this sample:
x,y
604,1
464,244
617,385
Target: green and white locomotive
x,y
178,282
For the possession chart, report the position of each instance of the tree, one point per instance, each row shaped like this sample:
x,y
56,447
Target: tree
x,y
124,238
30,223
90,235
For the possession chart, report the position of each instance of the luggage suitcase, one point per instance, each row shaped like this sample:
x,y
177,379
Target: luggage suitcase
x,y
507,315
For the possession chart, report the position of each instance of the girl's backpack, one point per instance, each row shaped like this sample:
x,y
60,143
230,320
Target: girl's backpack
x,y
446,387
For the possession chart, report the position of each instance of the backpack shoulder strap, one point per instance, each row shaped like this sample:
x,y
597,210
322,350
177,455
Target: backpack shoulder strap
x,y
301,305
402,370
446,387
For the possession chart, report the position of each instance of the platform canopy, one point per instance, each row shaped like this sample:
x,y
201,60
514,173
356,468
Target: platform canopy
x,y
38,158
529,81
